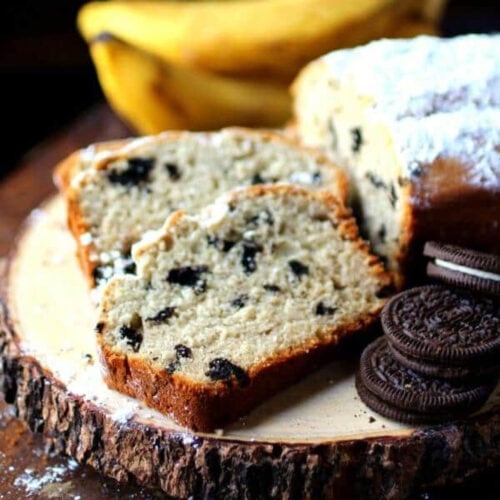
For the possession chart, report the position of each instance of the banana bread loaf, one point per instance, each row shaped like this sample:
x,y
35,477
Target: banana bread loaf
x,y
416,125
234,304
115,194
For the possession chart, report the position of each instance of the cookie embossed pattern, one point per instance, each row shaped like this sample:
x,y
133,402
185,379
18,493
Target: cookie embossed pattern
x,y
443,325
402,394
438,359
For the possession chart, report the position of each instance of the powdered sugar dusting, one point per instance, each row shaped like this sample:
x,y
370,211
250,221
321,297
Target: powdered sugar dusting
x,y
470,136
422,76
440,99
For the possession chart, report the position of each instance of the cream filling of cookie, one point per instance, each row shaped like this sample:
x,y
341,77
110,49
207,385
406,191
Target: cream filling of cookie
x,y
467,270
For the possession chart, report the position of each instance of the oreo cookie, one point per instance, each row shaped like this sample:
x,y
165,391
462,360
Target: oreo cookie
x,y
463,267
441,326
400,393
407,417
443,370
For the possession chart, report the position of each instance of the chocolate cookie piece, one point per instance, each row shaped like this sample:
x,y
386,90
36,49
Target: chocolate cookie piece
x,y
463,267
405,416
443,370
444,325
405,389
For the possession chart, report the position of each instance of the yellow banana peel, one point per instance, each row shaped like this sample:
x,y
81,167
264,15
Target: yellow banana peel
x,y
413,28
259,38
153,96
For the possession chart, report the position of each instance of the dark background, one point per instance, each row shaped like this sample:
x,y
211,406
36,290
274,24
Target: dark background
x,y
46,74
47,78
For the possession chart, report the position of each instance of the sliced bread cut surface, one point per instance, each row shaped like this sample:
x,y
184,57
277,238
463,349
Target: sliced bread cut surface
x,y
416,125
234,304
132,188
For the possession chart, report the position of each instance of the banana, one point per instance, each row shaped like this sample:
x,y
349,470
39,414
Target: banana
x,y
258,38
413,27
153,96
433,10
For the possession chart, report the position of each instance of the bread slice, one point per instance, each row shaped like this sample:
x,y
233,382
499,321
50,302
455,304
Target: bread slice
x,y
234,304
114,195
415,124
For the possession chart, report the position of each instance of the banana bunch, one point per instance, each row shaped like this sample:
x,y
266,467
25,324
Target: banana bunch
x,y
204,65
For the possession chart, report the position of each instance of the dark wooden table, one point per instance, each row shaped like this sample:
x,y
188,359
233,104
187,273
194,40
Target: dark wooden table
x,y
26,470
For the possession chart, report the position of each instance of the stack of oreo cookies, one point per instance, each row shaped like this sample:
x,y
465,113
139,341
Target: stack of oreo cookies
x,y
440,356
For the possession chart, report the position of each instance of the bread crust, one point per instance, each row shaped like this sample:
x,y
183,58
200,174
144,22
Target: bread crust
x,y
205,407
71,167
443,206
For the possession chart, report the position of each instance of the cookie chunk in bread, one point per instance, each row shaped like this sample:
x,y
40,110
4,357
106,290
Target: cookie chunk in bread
x,y
234,304
416,125
132,187
81,160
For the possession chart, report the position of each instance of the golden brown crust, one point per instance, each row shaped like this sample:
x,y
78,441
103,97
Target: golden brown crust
x,y
443,205
78,226
208,407
406,234
205,407
72,166
182,464
64,173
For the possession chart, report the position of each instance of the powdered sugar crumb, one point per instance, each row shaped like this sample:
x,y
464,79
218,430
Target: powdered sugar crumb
x,y
36,214
125,413
190,440
79,384
86,239
214,213
33,483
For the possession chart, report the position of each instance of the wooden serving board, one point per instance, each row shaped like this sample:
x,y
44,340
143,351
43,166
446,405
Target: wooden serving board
x,y
317,439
